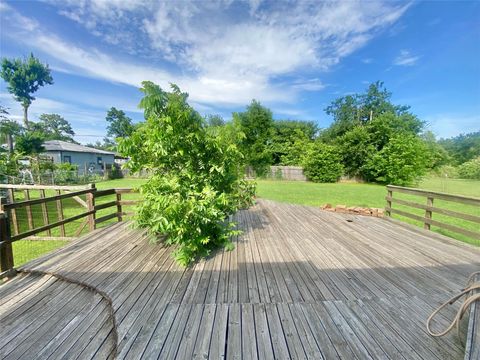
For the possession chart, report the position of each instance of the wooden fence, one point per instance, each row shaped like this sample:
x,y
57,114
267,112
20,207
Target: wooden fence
x,y
10,227
279,173
431,209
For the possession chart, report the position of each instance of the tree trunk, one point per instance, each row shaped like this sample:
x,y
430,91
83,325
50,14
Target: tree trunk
x,y
25,117
10,143
39,176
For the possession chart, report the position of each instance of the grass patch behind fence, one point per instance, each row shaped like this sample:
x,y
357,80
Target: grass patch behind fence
x,y
27,250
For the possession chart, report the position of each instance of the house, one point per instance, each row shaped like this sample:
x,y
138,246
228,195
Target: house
x,y
86,158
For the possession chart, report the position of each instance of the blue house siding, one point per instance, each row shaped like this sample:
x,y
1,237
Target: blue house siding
x,y
86,158
82,160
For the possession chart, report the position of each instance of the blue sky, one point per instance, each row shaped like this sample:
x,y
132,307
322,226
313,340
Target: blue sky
x,y
295,57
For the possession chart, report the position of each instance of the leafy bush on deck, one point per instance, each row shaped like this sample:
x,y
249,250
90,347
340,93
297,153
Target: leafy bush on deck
x,y
196,182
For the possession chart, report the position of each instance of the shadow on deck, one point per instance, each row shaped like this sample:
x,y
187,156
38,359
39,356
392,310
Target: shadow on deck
x,y
301,283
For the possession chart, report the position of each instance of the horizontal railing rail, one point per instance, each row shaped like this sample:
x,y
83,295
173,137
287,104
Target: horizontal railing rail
x,y
9,216
26,203
430,209
44,187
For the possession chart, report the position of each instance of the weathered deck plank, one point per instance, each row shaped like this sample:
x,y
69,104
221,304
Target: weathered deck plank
x,y
301,283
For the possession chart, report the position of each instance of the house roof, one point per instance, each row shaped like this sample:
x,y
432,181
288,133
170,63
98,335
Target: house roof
x,y
58,145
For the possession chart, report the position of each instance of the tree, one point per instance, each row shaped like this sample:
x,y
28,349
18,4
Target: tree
x,y
54,127
463,147
383,127
120,125
8,166
286,138
8,129
196,179
361,109
345,112
322,163
356,147
470,169
401,162
294,150
30,143
257,125
438,155
106,145
24,77
215,120
364,124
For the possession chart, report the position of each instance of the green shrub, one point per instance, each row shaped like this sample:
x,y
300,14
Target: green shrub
x,y
355,147
196,179
66,173
115,173
9,164
256,124
401,161
446,171
470,169
322,163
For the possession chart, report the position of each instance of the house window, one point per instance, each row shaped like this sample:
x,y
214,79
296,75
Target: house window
x,y
67,159
99,160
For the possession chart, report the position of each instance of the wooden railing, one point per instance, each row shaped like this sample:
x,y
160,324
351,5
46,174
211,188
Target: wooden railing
x,y
40,190
431,209
10,230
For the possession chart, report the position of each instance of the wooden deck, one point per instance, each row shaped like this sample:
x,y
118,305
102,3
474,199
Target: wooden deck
x,y
301,283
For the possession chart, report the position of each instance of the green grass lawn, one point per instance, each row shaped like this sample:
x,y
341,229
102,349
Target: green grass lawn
x,y
295,192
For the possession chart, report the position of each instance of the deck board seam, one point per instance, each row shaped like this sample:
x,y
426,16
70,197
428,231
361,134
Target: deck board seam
x,y
90,288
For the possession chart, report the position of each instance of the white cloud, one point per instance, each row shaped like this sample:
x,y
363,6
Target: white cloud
x,y
405,58
278,39
314,84
221,52
234,39
8,15
448,125
206,89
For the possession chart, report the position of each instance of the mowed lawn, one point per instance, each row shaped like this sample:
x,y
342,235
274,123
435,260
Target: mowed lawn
x,y
295,192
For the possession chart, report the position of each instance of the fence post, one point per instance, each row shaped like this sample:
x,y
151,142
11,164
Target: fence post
x,y
428,213
91,207
6,252
389,203
119,206
105,174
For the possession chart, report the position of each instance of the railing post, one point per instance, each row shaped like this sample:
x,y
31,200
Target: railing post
x,y
60,213
13,213
119,206
389,202
428,213
6,252
46,220
91,207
